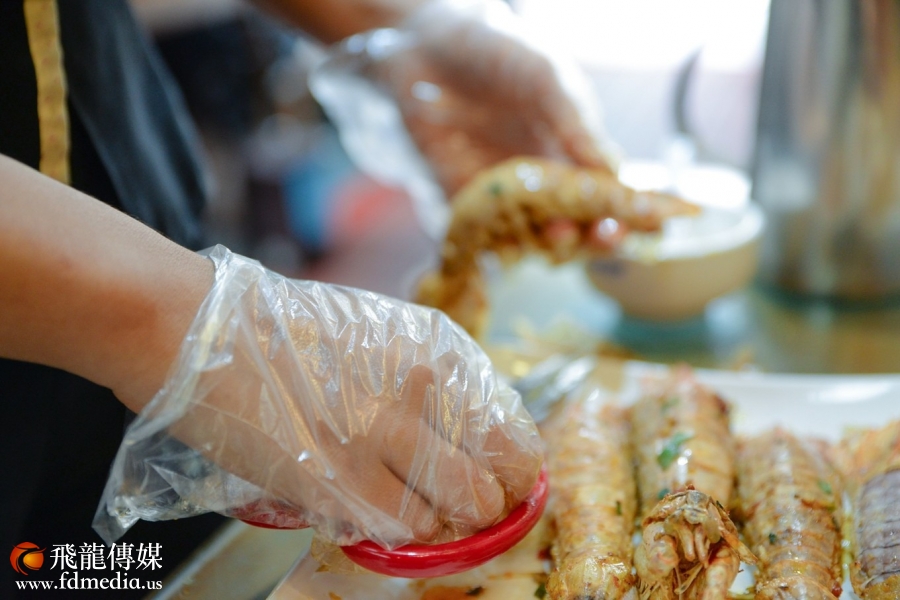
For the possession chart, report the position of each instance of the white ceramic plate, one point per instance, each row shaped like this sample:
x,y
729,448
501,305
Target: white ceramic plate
x,y
818,405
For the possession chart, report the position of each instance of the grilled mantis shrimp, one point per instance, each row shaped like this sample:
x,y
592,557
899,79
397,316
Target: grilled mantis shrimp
x,y
534,205
690,548
871,466
594,503
682,438
790,505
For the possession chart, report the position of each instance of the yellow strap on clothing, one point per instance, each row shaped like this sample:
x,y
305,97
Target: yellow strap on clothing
x,y
42,23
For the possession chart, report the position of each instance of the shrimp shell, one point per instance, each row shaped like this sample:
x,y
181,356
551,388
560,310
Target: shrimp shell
x,y
682,439
690,549
870,462
514,208
790,504
594,503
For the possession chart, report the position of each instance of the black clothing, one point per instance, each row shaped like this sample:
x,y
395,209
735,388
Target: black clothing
x,y
123,106
133,147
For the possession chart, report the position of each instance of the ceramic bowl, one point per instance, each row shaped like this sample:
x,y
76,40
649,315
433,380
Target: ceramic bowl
x,y
674,274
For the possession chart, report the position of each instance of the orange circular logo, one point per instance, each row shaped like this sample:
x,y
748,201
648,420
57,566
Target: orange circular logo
x,y
26,556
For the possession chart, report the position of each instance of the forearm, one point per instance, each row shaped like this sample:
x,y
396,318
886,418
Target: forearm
x,y
333,20
87,289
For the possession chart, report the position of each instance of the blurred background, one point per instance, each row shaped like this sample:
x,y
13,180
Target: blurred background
x,y
286,192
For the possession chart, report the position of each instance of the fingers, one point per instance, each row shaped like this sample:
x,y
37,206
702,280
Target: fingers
x,y
508,102
606,235
556,93
566,123
516,468
454,531
458,488
374,502
582,148
499,432
391,496
513,448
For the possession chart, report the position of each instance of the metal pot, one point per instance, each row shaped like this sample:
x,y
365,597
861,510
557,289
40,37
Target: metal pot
x,y
827,160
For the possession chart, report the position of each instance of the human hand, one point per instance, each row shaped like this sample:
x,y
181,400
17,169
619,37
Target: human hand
x,y
366,417
476,87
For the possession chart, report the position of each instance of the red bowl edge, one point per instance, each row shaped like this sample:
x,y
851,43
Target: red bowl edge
x,y
416,561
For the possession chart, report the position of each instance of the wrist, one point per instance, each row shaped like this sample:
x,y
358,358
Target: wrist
x,y
146,334
87,289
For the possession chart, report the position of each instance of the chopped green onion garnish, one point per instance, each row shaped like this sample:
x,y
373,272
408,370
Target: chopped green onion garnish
x,y
672,449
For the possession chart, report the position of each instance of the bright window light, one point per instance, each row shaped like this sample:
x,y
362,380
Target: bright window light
x,y
652,34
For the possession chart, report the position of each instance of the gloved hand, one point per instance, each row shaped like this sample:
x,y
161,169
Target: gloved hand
x,y
465,85
479,87
364,416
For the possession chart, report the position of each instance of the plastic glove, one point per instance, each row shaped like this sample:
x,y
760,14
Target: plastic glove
x,y
364,416
465,85
480,88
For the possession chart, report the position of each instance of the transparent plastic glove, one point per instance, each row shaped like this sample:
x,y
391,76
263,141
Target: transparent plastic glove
x,y
297,401
458,87
480,88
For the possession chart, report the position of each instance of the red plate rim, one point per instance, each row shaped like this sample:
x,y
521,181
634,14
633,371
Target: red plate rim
x,y
415,560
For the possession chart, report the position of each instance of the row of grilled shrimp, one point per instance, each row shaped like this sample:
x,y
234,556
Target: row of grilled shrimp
x,y
787,499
